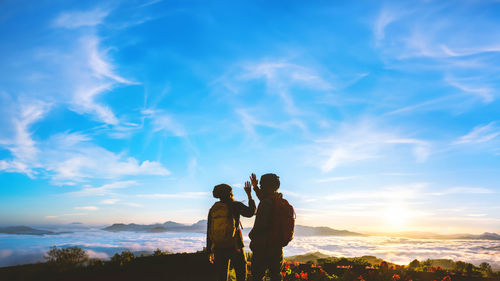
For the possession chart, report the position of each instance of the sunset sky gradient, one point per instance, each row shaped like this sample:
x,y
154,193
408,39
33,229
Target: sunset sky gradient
x,y
377,116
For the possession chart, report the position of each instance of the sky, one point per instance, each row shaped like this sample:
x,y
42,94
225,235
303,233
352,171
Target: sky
x,y
378,116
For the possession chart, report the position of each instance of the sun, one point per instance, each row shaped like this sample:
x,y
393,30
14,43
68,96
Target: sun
x,y
397,216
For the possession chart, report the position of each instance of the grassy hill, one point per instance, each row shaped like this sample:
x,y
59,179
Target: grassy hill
x,y
195,267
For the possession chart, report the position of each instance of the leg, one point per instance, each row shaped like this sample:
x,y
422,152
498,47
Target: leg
x,y
221,264
239,262
258,266
276,264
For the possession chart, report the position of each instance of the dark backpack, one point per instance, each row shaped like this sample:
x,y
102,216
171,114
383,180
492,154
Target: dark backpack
x,y
283,222
222,228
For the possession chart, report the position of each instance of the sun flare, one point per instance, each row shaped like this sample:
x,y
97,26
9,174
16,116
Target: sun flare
x,y
397,216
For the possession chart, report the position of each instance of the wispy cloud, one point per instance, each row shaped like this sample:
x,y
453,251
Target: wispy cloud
x,y
105,189
463,190
357,142
76,19
432,38
384,18
110,201
68,160
21,144
281,76
333,179
149,3
480,134
87,208
480,91
96,77
181,195
163,122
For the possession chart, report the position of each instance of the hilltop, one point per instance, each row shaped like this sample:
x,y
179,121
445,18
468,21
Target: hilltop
x,y
195,267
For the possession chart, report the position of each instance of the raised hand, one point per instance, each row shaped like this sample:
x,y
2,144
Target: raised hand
x,y
255,184
253,179
248,189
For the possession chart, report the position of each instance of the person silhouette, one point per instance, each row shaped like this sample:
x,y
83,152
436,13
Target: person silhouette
x,y
268,251
224,237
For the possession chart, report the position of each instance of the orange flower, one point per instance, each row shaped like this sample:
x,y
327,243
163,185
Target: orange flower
x,y
303,275
446,278
396,277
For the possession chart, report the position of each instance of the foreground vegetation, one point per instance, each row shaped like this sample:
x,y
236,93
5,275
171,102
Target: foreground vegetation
x,y
73,264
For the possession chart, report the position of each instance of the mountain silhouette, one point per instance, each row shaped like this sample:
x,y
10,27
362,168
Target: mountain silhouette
x,y
24,230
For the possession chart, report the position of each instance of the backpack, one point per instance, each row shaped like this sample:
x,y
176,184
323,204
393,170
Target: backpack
x,y
222,227
283,222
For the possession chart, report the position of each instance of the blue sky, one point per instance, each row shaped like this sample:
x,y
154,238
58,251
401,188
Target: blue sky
x,y
378,117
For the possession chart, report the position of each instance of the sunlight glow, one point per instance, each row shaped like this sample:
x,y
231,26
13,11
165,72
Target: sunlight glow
x,y
397,216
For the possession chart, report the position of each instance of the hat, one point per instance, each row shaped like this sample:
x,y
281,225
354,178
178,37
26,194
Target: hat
x,y
222,191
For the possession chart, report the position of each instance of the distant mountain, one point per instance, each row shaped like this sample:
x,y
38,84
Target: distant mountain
x,y
169,226
23,230
301,230
429,235
484,236
201,226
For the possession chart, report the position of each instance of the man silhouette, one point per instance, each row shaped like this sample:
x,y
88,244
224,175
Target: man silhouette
x,y
266,254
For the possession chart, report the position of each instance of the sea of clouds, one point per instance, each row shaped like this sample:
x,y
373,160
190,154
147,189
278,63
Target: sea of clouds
x,y
22,249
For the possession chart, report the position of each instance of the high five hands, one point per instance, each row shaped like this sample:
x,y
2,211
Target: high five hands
x,y
255,184
248,189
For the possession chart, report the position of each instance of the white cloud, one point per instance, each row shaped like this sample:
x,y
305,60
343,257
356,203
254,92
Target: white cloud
x,y
94,76
69,157
383,20
132,204
251,119
464,190
152,2
183,195
437,39
398,192
76,19
105,189
480,134
480,91
20,142
98,61
353,143
87,208
333,179
421,149
109,201
280,77
163,122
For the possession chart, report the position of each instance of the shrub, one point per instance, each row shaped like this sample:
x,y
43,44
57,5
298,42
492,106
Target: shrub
x,y
67,257
123,258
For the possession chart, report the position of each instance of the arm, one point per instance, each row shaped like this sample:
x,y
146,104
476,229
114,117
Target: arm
x,y
250,210
209,241
255,184
246,211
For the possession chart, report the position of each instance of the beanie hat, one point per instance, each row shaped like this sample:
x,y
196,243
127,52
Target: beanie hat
x,y
222,191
